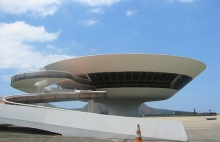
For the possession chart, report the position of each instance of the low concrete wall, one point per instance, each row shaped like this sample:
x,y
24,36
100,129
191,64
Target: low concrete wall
x,y
83,124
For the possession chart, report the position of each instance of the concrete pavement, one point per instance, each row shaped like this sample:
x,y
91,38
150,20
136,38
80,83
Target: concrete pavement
x,y
198,129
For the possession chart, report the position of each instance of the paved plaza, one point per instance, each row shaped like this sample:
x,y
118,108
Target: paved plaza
x,y
198,129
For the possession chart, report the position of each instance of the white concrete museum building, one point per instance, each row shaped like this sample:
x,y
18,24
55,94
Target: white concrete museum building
x,y
121,81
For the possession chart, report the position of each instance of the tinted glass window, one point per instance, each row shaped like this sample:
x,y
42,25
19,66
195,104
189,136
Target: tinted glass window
x,y
139,79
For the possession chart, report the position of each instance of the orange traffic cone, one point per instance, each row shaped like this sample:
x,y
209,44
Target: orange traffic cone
x,y
138,135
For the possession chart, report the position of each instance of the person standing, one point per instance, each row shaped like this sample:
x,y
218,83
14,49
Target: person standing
x,y
194,111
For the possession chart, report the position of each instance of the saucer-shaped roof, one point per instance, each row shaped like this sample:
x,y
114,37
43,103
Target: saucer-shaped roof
x,y
129,62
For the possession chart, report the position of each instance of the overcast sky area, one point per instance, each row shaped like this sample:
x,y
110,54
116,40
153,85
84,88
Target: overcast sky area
x,y
35,33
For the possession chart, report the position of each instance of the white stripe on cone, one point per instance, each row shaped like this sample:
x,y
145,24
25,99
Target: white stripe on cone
x,y
138,135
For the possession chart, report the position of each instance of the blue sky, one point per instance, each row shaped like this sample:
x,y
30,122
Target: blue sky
x,y
35,33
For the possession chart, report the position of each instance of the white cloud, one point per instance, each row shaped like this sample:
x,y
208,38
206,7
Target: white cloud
x,y
136,32
22,32
186,1
98,2
93,50
17,52
76,44
51,47
44,8
54,49
149,22
31,7
6,77
131,12
97,11
87,22
182,1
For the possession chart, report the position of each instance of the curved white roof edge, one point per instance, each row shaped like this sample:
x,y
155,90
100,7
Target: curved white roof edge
x,y
128,54
129,62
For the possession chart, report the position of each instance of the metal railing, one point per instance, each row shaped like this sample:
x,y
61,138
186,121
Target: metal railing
x,y
27,99
49,74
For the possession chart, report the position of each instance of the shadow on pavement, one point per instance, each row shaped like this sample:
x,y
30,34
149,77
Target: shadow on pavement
x,y
25,130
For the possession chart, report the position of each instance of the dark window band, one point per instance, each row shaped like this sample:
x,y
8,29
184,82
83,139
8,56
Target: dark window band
x,y
139,79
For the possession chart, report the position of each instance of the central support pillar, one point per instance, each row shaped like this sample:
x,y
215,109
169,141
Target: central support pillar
x,y
39,87
123,108
91,106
